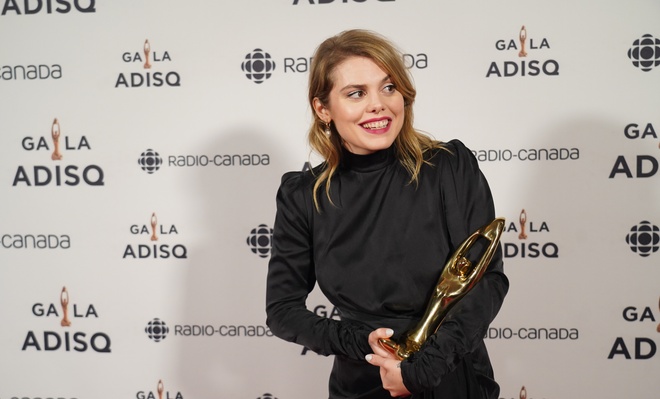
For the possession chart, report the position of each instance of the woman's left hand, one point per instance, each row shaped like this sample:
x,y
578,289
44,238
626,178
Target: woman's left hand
x,y
390,371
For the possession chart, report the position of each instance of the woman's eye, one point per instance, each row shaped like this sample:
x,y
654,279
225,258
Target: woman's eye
x,y
389,88
356,94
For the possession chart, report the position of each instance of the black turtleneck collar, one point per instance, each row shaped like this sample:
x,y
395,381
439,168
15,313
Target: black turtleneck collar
x,y
367,163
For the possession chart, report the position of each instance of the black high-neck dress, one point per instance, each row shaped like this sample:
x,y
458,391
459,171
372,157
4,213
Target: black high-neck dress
x,y
376,252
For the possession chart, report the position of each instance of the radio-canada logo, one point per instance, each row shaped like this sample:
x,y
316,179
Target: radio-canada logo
x,y
35,241
644,238
645,53
31,72
258,66
157,330
150,161
260,240
62,172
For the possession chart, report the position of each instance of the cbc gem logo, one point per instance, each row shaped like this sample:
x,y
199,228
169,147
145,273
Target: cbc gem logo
x,y
645,53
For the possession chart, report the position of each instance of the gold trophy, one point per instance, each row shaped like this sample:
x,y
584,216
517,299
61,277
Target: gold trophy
x,y
458,277
147,50
154,223
55,134
160,389
522,220
522,37
64,300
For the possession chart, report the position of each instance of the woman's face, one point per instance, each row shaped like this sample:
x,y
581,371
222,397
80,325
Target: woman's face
x,y
364,106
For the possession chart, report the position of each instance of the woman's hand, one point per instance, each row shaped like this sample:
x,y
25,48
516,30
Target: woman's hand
x,y
390,365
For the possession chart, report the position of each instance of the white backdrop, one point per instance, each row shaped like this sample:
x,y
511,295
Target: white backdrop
x,y
197,144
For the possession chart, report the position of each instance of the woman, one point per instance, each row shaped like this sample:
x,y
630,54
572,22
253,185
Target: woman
x,y
373,225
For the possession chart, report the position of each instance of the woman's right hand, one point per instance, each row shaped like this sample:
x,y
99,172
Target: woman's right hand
x,y
376,347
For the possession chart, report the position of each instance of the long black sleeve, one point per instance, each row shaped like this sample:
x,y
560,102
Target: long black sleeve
x,y
469,206
291,277
376,249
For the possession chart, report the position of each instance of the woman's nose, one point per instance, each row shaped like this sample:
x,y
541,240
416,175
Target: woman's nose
x,y
375,104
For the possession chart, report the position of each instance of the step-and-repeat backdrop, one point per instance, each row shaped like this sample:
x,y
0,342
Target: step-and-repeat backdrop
x,y
143,143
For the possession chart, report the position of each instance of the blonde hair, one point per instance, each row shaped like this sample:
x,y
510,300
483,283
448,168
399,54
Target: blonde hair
x,y
410,144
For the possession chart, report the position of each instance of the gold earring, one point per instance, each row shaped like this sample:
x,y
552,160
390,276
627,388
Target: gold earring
x,y
327,130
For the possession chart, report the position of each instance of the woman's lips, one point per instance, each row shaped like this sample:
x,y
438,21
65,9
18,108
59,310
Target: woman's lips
x,y
376,127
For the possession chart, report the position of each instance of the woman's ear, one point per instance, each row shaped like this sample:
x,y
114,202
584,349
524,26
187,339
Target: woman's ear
x,y
321,110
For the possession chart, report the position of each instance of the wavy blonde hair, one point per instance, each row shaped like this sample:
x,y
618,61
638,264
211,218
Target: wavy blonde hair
x,y
410,143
